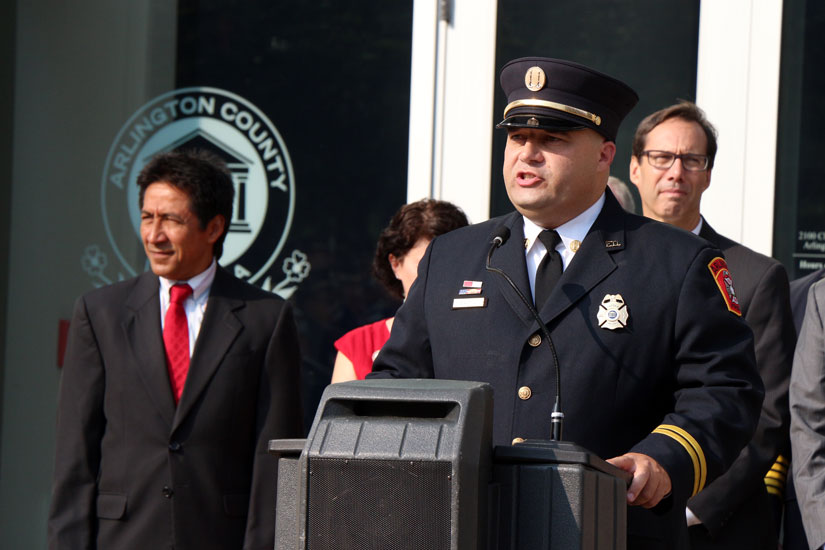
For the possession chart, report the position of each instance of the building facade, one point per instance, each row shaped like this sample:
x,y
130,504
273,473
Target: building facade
x,y
331,115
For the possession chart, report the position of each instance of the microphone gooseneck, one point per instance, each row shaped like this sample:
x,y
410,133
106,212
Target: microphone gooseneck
x,y
556,417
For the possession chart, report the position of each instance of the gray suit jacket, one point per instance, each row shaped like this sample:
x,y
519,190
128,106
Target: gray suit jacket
x,y
807,397
799,295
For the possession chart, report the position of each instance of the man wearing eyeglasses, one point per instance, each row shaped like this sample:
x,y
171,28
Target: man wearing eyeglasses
x,y
673,154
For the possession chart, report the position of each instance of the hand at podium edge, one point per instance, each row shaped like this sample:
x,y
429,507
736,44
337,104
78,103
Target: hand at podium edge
x,y
651,483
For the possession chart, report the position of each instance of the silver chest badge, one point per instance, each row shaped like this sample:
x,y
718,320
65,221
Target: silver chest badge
x,y
612,312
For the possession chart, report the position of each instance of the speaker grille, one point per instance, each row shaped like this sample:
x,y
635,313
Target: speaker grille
x,y
383,504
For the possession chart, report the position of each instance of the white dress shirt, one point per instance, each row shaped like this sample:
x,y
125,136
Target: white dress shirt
x,y
194,305
573,230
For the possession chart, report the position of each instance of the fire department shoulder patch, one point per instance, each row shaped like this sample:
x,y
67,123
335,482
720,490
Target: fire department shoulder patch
x,y
719,270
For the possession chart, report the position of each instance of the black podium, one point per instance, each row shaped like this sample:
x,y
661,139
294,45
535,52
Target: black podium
x,y
408,464
557,495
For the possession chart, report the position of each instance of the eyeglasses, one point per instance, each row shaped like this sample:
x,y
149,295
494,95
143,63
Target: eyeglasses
x,y
663,160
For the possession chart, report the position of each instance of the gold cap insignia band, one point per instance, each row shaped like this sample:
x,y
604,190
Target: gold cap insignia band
x,y
595,119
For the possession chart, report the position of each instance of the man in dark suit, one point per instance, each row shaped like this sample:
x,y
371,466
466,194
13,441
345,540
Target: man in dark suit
x,y
673,154
656,365
155,450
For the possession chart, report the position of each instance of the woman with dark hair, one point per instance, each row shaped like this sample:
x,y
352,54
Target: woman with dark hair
x,y
400,247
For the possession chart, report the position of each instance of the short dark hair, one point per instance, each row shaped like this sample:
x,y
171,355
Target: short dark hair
x,y
203,176
685,110
427,219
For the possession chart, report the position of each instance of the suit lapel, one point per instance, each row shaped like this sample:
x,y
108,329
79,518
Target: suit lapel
x,y
510,259
218,330
142,328
592,263
709,234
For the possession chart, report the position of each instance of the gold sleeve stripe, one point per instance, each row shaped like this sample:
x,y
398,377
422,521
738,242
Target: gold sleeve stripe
x,y
776,475
774,483
694,450
780,468
697,473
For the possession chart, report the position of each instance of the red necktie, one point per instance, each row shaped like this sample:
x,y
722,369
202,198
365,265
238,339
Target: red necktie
x,y
176,338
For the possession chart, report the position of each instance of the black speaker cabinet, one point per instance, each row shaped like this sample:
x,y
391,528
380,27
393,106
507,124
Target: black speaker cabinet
x,y
558,496
401,464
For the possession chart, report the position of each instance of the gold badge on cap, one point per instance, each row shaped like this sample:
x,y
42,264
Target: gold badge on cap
x,y
535,79
612,312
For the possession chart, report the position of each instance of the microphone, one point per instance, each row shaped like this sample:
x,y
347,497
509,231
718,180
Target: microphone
x,y
500,237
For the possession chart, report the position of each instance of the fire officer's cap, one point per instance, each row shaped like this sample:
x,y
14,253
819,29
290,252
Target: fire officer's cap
x,y
558,95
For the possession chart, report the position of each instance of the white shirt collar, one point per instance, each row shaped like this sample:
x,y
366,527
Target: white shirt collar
x,y
698,227
200,283
573,230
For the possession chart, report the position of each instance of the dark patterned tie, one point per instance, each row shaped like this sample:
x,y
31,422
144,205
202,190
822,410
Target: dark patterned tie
x,y
176,338
550,268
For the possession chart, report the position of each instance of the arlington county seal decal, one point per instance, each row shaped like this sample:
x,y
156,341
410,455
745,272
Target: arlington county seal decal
x,y
237,131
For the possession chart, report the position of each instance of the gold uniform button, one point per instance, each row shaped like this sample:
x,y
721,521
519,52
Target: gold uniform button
x,y
534,340
518,440
524,393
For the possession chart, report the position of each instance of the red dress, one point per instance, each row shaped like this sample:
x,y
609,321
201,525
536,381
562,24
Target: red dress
x,y
362,344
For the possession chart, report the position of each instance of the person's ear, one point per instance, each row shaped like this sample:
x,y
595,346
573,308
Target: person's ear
x,y
707,180
607,153
214,229
635,169
395,264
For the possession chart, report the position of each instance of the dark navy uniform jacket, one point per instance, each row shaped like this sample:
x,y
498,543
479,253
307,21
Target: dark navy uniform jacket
x,y
677,383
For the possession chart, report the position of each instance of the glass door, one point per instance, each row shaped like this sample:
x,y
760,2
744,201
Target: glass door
x,y
333,79
799,229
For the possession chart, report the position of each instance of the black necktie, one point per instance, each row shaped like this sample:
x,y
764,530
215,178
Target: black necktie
x,y
550,268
